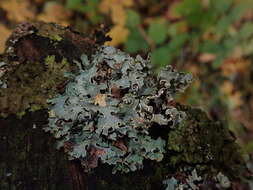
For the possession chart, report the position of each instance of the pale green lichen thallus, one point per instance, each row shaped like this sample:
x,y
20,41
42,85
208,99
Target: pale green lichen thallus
x,y
107,109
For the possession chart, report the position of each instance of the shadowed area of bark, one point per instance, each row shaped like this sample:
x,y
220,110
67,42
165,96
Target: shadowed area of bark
x,y
28,158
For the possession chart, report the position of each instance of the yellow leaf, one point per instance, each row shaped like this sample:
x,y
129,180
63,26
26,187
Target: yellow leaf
x,y
116,9
118,34
18,10
106,5
4,33
54,12
100,99
118,15
127,3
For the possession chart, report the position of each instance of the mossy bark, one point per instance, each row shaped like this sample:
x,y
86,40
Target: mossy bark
x,y
33,57
29,159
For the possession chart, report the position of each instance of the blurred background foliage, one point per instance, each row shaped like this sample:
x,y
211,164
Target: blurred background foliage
x,y
212,39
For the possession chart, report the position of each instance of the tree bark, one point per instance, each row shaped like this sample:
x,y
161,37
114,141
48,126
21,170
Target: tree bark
x,y
28,158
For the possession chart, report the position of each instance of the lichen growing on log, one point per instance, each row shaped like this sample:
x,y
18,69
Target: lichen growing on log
x,y
92,78
108,108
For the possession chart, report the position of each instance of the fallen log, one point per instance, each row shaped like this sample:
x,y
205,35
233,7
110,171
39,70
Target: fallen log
x,y
175,146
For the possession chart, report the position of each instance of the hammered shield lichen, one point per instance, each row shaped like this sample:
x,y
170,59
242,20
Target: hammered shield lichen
x,y
108,108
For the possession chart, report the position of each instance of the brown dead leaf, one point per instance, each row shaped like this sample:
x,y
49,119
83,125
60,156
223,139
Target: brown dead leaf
x,y
235,66
237,53
234,97
100,99
194,69
4,33
206,57
18,10
227,87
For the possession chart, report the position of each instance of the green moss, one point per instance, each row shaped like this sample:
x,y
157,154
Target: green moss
x,y
29,85
200,141
51,31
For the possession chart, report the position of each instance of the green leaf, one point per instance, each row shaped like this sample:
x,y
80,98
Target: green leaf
x,y
220,6
177,42
90,7
192,10
237,12
135,42
230,44
161,56
246,31
210,46
77,5
133,18
157,31
173,29
216,64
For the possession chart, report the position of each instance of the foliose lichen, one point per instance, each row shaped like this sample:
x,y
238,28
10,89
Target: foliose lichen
x,y
108,108
193,181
